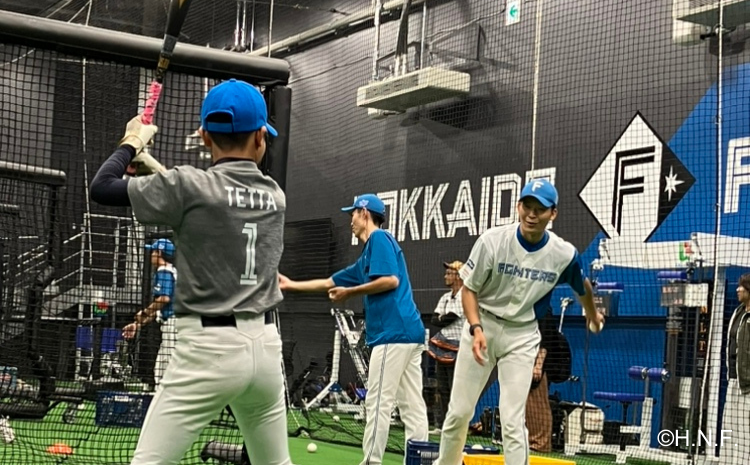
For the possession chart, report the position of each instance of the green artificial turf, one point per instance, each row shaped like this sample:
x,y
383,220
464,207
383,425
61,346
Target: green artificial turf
x,y
98,445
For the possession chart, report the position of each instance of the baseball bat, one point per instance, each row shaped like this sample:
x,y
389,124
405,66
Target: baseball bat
x,y
178,10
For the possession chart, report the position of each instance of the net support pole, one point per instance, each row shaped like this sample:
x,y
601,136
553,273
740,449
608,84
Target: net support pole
x,y
53,239
274,164
717,305
712,383
32,174
136,50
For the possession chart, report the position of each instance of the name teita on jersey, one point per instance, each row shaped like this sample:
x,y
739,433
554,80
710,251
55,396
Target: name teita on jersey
x,y
250,197
527,273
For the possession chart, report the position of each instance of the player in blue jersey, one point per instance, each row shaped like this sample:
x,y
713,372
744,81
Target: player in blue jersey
x,y
395,331
508,283
161,308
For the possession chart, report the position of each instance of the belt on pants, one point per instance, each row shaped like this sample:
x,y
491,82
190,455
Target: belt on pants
x,y
505,320
230,320
489,313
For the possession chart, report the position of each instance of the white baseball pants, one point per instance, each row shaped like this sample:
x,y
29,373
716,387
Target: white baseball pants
x,y
394,375
168,341
513,348
735,446
211,368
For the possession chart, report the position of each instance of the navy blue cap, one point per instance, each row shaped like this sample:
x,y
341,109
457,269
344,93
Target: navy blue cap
x,y
371,202
164,246
242,103
542,190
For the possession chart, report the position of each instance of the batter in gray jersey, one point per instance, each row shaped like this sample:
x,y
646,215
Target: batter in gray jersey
x,y
230,220
228,229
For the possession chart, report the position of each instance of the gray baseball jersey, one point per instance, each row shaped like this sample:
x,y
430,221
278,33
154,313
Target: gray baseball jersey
x,y
228,224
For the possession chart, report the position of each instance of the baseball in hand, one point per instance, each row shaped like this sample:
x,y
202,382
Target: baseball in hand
x,y
595,327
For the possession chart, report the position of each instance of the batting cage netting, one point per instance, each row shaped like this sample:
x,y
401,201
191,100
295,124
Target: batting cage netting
x,y
73,386
638,112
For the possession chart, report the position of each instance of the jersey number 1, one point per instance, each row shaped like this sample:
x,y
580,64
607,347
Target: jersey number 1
x,y
249,278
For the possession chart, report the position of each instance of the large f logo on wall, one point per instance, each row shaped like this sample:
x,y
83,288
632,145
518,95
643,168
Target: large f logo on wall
x,y
637,185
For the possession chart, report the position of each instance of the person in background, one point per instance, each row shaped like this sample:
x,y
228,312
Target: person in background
x,y
538,410
737,404
161,309
449,317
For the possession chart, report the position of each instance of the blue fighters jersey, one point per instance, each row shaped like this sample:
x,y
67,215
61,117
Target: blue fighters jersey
x,y
163,285
392,316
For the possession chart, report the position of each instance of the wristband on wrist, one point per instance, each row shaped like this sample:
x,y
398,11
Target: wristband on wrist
x,y
474,327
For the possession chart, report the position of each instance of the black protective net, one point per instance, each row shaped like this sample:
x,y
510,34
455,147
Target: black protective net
x,y
639,122
74,273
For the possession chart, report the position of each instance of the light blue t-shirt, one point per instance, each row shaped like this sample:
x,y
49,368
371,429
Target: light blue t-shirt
x,y
392,316
163,285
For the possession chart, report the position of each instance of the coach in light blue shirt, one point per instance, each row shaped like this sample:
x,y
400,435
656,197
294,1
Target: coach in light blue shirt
x,y
394,328
391,316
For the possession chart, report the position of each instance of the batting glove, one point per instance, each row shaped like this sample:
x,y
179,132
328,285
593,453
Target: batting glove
x,y
138,135
145,164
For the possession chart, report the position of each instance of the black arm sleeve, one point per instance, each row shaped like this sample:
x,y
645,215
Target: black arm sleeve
x,y
447,319
108,187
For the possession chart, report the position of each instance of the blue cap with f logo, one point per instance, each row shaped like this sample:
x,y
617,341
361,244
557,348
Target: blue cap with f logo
x,y
370,202
542,190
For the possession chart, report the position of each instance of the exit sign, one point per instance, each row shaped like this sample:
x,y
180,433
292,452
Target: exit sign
x,y
512,12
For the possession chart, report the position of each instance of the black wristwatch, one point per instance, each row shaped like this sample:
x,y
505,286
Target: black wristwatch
x,y
473,327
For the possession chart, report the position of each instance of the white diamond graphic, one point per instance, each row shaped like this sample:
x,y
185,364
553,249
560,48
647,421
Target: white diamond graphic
x,y
623,193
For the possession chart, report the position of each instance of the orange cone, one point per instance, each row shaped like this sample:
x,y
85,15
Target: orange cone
x,y
59,449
